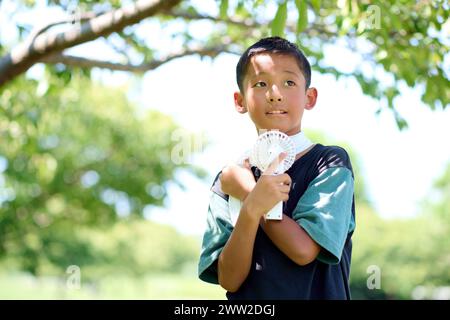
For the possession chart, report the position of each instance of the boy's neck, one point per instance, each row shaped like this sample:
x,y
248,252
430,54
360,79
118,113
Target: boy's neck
x,y
301,154
301,142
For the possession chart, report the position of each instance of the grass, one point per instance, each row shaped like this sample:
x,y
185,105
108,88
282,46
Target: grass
x,y
151,287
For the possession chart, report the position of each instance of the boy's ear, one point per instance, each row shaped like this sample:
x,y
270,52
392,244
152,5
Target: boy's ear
x,y
239,102
311,98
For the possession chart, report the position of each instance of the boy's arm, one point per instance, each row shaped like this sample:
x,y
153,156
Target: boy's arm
x,y
236,257
291,239
286,234
237,181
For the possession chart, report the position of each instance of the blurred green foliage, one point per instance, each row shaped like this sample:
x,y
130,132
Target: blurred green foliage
x,y
153,286
130,248
137,248
409,253
76,154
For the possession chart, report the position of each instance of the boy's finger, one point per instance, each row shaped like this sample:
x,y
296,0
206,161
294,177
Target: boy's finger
x,y
284,179
285,188
247,163
275,163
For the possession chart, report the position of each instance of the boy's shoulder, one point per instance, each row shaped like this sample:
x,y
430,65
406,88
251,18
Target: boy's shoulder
x,y
322,157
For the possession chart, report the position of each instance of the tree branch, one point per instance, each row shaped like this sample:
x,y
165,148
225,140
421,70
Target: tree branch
x,y
247,23
22,57
313,30
72,19
92,63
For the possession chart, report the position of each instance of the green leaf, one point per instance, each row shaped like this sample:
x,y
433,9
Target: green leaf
x,y
316,4
400,121
241,12
302,21
279,21
223,8
257,3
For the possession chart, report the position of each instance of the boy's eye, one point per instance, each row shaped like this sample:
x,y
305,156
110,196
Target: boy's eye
x,y
290,83
260,84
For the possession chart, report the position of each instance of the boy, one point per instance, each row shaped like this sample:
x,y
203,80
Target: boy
x,y
307,254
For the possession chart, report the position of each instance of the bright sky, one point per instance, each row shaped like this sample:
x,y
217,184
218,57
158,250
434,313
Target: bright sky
x,y
398,167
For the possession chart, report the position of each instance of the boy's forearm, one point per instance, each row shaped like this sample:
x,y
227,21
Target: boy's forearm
x,y
236,257
291,239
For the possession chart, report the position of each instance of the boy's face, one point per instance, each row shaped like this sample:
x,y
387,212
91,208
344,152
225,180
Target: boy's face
x,y
274,93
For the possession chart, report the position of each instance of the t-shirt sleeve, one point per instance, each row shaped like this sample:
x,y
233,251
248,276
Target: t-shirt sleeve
x,y
218,230
324,211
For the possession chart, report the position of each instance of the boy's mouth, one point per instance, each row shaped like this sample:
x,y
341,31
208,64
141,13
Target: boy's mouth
x,y
274,112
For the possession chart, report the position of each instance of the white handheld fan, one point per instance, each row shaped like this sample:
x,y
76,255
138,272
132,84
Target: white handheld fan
x,y
268,146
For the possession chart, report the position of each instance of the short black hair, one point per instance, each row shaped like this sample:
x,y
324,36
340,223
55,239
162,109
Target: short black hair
x,y
273,45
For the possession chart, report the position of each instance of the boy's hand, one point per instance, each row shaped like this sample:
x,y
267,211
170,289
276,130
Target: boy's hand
x,y
237,181
268,191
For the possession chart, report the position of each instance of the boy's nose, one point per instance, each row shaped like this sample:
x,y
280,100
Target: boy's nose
x,y
274,95
272,99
